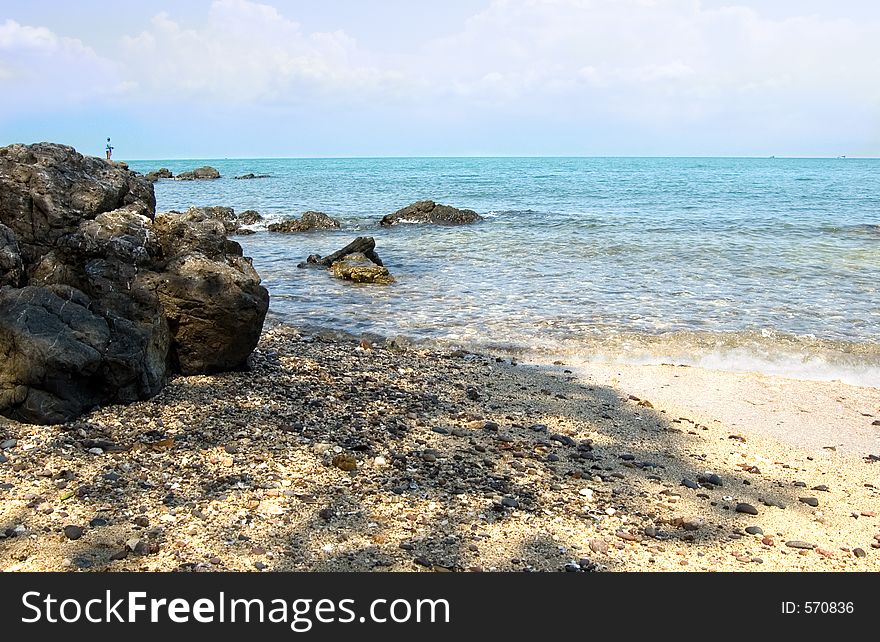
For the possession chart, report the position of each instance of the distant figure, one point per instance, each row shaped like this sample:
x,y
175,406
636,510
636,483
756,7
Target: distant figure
x,y
109,149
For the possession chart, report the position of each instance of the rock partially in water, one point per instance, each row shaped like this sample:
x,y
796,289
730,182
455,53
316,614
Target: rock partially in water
x,y
206,173
251,176
309,222
357,268
431,212
162,172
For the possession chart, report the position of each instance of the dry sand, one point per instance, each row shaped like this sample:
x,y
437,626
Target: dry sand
x,y
334,454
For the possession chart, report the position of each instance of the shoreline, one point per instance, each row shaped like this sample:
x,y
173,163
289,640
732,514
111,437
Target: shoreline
x,y
334,454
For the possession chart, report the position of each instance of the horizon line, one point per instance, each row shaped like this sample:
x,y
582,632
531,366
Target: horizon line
x,y
510,156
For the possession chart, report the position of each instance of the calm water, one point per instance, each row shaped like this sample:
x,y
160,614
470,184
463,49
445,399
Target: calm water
x,y
752,264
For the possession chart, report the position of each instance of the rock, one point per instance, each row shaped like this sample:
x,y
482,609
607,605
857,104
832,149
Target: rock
x,y
821,487
748,509
713,479
200,174
754,530
599,546
799,544
690,484
8,444
357,268
510,502
162,172
809,501
859,552
693,524
105,300
309,222
250,217
250,177
97,522
345,462
430,212
11,264
73,532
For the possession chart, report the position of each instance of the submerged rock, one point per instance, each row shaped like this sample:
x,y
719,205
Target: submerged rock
x,y
310,221
250,177
99,301
431,212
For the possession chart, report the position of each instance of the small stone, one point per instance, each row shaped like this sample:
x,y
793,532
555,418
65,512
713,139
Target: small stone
x,y
586,492
231,449
112,476
748,509
260,566
799,544
650,531
821,487
119,555
809,501
767,540
754,530
96,451
73,532
510,502
8,444
693,524
859,552
98,522
690,484
3,458
800,484
345,462
598,546
141,521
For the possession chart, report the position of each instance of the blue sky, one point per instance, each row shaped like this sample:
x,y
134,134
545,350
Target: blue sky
x,y
236,78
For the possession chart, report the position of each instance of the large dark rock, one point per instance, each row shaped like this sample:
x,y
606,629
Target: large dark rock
x,y
309,222
206,173
431,212
99,302
162,172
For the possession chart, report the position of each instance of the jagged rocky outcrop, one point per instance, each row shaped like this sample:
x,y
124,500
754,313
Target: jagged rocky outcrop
x,y
309,222
356,262
206,173
100,299
430,212
232,222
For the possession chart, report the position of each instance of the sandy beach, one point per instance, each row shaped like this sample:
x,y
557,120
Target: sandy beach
x,y
333,453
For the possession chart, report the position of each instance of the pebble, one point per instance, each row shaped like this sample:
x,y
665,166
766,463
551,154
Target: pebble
x,y
754,530
713,479
693,524
821,487
586,492
799,544
8,444
98,522
231,449
690,484
859,552
73,532
510,502
809,501
260,566
96,451
748,509
598,546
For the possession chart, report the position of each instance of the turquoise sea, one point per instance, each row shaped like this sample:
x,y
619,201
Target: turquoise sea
x,y
768,265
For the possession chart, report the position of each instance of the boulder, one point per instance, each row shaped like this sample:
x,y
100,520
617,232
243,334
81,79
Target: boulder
x,y
431,212
250,177
250,217
360,269
162,172
199,174
100,299
309,222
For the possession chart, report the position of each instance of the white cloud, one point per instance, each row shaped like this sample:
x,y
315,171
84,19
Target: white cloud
x,y
247,52
39,68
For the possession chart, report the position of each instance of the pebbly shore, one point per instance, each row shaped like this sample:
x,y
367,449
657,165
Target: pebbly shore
x,y
337,453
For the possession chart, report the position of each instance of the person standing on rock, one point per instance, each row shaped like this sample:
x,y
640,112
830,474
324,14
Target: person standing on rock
x,y
109,149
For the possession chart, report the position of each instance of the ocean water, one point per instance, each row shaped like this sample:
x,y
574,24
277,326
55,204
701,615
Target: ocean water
x,y
769,265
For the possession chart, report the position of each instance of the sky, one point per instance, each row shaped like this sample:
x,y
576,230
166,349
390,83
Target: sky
x,y
286,78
